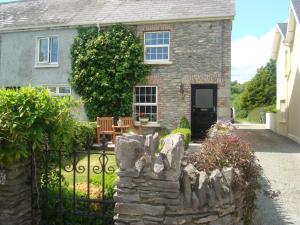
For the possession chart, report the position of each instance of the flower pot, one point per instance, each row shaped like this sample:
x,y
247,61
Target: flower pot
x,y
144,120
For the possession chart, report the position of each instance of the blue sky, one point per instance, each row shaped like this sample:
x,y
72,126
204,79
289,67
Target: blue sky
x,y
253,34
257,17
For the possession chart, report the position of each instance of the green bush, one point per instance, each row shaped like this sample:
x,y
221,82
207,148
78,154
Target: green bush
x,y
257,115
187,135
27,116
270,109
84,134
106,66
184,123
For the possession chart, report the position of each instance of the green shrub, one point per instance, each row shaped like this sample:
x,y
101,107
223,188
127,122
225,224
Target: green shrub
x,y
270,109
84,134
187,135
27,116
184,123
257,115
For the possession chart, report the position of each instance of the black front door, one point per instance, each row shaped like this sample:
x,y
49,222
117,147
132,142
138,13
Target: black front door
x,y
204,109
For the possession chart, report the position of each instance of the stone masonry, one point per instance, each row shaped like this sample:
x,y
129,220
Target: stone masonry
x,y
15,194
162,189
200,53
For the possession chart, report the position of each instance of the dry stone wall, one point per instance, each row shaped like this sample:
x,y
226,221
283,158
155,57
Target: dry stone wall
x,y
156,189
15,194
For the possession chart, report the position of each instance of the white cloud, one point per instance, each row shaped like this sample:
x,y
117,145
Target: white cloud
x,y
249,54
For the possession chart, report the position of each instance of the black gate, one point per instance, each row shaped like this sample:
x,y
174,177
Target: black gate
x,y
76,187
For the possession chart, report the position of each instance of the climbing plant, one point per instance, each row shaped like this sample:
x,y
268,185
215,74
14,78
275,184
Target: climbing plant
x,y
106,65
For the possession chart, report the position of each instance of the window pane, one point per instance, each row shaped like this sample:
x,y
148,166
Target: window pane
x,y
52,90
153,99
54,50
142,90
43,50
204,98
154,90
148,35
154,109
142,99
64,90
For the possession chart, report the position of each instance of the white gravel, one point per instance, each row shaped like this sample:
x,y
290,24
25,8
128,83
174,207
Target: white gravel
x,y
279,198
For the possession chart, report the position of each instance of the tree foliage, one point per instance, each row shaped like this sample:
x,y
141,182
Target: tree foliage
x,y
27,116
260,91
106,66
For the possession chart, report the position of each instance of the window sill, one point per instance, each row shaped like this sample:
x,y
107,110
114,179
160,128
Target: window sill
x,y
158,62
149,124
46,65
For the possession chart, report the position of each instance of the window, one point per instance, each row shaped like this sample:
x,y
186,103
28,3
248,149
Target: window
x,y
47,50
283,110
157,46
59,90
146,102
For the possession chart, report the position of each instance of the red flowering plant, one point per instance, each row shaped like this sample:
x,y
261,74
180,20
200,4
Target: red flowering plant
x,y
223,148
143,115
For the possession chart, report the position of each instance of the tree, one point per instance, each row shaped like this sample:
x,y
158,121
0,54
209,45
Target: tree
x,y
261,90
106,66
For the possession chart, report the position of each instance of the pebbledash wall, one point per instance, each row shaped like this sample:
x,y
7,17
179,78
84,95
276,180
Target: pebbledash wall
x,y
200,53
165,190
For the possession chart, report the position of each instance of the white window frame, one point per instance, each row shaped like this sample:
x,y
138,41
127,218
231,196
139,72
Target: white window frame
x,y
57,93
146,104
47,62
156,61
283,116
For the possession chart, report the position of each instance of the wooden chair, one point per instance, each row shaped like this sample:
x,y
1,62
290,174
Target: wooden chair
x,y
105,127
127,121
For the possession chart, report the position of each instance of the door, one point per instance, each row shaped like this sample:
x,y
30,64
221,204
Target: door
x,y
204,109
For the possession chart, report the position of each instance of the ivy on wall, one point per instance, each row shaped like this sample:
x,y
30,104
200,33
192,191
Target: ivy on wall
x,y
106,65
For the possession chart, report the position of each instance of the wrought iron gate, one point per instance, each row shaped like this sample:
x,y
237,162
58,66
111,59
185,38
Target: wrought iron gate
x,y
77,186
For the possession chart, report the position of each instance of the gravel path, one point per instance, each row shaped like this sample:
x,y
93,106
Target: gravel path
x,y
279,198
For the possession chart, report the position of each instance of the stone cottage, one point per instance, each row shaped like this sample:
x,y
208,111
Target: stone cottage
x,y
187,41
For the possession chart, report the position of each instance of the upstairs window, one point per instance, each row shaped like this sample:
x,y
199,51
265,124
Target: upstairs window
x,y
47,50
157,46
146,102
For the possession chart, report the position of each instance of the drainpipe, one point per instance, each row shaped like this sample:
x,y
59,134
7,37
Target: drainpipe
x,y
99,28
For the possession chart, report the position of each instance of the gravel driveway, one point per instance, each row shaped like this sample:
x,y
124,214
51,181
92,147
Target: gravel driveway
x,y
279,198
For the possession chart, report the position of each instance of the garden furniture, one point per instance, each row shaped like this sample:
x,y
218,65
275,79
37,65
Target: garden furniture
x,y
105,127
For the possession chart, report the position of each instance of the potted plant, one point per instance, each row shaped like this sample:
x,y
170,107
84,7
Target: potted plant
x,y
144,118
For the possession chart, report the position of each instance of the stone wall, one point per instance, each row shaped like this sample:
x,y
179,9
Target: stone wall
x,y
15,194
156,189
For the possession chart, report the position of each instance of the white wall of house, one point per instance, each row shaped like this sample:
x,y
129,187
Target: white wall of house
x,y
288,82
293,92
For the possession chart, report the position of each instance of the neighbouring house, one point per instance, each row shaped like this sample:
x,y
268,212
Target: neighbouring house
x,y
187,41
286,50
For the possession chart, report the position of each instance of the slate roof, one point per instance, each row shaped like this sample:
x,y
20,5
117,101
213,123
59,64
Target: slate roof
x,y
296,5
283,29
39,13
